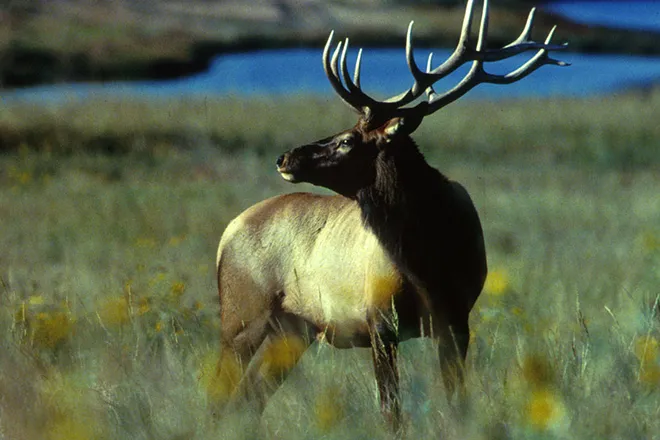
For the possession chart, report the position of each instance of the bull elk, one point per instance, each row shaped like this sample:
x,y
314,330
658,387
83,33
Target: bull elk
x,y
398,253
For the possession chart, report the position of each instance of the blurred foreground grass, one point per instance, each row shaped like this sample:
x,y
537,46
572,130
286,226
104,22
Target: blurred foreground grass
x,y
111,212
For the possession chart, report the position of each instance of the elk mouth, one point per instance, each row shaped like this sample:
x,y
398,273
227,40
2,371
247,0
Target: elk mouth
x,y
287,175
289,172
288,168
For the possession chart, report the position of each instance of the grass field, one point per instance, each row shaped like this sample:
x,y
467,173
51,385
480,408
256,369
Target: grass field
x,y
111,212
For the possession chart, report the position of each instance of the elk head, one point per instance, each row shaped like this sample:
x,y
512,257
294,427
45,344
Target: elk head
x,y
346,162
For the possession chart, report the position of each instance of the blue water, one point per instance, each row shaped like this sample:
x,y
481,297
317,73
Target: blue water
x,y
299,71
384,73
630,14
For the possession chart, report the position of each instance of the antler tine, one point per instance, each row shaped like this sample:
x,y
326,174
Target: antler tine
x,y
356,73
471,79
417,74
429,91
327,67
354,89
409,95
336,69
359,96
330,68
526,33
539,59
483,28
423,80
521,44
458,57
550,47
478,75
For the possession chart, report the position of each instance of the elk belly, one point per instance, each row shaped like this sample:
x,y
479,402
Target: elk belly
x,y
334,302
381,288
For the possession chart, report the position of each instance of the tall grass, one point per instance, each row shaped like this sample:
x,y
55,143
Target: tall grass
x,y
109,315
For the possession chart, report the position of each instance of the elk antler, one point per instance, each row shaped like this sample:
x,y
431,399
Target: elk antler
x,y
351,92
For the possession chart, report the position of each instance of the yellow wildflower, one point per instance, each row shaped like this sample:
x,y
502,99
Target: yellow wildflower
x,y
497,282
647,349
114,311
281,355
143,305
21,177
650,374
650,242
70,411
178,288
51,329
220,378
36,300
537,371
544,409
328,408
71,427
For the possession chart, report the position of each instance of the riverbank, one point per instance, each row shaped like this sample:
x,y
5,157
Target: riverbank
x,y
44,43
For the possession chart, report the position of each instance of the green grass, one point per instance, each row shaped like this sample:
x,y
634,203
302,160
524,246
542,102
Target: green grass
x,y
111,213
612,133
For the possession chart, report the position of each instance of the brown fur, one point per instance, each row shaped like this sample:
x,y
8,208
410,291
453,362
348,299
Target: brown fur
x,y
402,245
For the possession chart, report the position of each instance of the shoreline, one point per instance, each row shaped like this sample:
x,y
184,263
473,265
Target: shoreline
x,y
80,43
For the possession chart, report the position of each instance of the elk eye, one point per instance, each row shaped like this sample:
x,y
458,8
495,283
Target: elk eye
x,y
345,145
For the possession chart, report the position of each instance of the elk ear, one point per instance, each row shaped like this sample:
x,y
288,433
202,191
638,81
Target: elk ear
x,y
393,127
403,125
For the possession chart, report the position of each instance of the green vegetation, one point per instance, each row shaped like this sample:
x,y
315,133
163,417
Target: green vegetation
x,y
613,133
112,210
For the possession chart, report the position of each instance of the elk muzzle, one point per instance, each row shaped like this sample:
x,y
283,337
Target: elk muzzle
x,y
283,168
292,165
301,163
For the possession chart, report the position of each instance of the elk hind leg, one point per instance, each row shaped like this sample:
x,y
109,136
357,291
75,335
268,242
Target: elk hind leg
x,y
288,338
239,349
283,340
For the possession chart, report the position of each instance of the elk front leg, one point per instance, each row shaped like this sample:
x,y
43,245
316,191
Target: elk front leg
x,y
384,347
452,348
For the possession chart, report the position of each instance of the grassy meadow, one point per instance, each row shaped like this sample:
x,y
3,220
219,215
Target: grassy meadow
x,y
111,211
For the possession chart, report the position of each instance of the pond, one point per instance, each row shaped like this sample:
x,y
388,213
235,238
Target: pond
x,y
627,14
299,71
385,73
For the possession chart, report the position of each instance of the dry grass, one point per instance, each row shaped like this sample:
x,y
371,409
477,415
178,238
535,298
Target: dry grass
x,y
109,318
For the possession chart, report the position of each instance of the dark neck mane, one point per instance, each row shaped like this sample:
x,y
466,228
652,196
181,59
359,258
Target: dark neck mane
x,y
428,226
403,197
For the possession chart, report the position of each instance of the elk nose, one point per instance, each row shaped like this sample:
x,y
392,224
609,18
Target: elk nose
x,y
280,160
